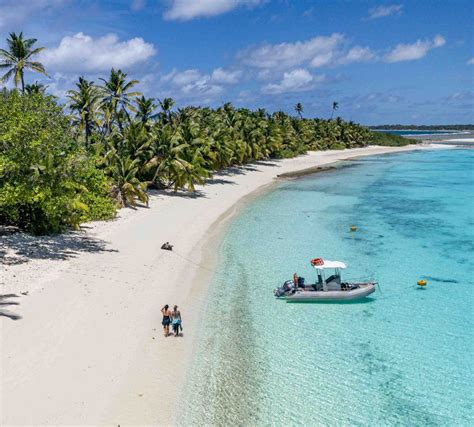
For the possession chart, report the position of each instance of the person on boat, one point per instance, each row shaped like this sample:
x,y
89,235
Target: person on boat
x,y
166,312
166,246
176,320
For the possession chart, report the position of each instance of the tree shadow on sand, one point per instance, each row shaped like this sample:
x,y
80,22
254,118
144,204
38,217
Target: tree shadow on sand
x,y
18,248
236,170
197,194
217,178
214,181
272,162
4,303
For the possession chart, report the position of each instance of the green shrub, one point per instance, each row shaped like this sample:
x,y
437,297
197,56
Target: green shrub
x,y
388,139
47,183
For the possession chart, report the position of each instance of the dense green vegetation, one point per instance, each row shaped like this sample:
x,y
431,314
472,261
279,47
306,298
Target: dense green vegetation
x,y
47,181
58,169
388,139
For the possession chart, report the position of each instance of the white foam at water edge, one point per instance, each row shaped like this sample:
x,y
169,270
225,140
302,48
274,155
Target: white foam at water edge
x,y
461,140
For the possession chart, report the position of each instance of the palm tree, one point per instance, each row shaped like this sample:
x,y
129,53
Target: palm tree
x,y
335,106
85,101
117,94
166,105
145,109
35,88
18,59
127,187
299,109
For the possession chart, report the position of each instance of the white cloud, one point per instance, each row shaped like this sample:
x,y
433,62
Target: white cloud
x,y
471,61
439,41
357,54
220,75
298,80
316,52
60,84
185,10
196,85
185,77
460,96
322,59
82,53
200,89
417,50
383,11
266,74
287,55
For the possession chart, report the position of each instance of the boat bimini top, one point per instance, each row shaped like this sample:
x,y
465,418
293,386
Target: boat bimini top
x,y
321,264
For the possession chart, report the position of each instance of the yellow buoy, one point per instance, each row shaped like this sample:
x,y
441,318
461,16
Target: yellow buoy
x,y
421,282
353,228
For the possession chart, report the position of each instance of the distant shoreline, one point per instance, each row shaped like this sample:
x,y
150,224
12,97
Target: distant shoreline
x,y
465,138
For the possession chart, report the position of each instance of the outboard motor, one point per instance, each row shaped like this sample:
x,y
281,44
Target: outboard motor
x,y
287,288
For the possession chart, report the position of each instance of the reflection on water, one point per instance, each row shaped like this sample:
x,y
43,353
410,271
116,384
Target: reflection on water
x,y
403,356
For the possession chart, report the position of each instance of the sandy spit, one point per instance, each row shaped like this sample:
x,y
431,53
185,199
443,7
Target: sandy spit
x,y
80,324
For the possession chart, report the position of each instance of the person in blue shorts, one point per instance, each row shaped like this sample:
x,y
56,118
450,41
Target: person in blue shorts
x,y
176,320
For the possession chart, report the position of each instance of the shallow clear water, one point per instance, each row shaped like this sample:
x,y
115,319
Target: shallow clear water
x,y
403,357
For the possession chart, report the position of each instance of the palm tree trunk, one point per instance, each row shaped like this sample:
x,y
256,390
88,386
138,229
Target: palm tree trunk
x,y
88,131
119,122
22,83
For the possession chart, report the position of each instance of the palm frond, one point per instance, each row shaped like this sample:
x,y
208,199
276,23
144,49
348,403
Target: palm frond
x,y
7,76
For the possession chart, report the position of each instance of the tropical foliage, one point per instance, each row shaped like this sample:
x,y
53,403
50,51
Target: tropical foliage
x,y
18,58
58,170
47,181
382,138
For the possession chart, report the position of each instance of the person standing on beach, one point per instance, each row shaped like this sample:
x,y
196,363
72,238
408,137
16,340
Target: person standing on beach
x,y
176,320
166,312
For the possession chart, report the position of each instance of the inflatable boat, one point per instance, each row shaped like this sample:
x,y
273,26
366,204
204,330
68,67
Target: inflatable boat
x,y
325,289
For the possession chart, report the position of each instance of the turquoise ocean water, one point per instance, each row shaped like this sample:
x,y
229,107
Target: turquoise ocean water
x,y
403,357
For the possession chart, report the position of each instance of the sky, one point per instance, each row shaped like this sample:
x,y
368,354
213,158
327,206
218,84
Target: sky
x,y
409,62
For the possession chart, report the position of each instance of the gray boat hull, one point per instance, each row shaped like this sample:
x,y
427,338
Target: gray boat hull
x,y
362,291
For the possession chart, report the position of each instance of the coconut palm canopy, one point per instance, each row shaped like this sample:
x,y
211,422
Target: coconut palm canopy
x,y
18,58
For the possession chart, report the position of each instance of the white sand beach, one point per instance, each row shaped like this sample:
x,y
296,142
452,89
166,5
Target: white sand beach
x,y
87,347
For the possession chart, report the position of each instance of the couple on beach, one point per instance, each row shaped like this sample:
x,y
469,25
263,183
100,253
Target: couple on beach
x,y
173,318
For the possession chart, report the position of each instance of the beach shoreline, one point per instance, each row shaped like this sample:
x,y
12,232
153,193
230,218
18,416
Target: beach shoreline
x,y
88,348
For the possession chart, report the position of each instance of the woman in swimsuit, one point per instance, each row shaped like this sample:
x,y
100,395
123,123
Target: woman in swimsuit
x,y
166,312
176,320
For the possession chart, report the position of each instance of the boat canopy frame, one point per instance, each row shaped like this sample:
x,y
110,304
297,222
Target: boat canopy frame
x,y
336,265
